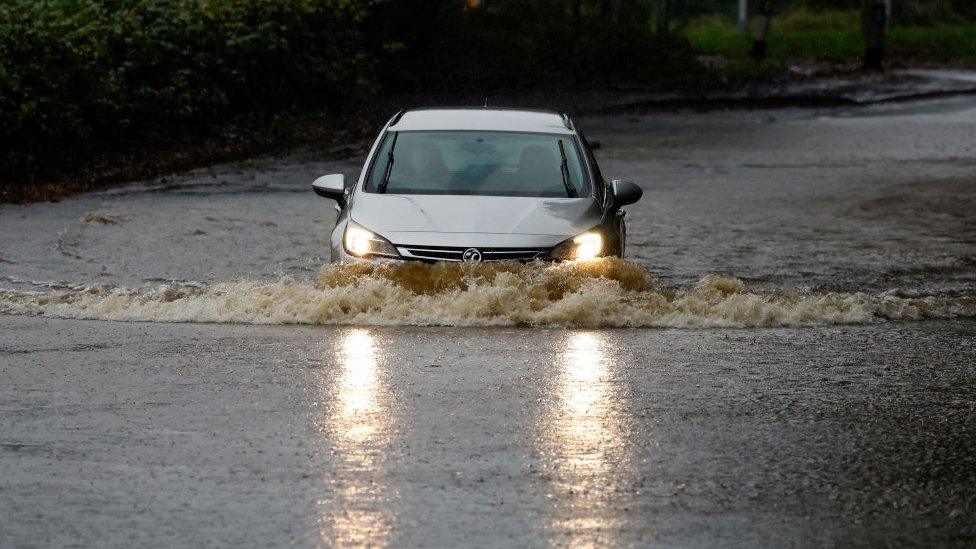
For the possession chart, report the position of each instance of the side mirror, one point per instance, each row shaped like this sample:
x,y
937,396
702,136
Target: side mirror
x,y
595,145
331,186
624,193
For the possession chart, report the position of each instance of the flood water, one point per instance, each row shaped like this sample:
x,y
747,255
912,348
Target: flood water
x,y
786,357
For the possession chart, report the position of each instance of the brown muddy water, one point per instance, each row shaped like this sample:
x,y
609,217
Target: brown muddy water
x,y
602,293
524,405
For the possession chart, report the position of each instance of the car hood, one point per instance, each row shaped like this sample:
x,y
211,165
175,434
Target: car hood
x,y
505,218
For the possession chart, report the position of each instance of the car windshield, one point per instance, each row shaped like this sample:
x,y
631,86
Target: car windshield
x,y
488,163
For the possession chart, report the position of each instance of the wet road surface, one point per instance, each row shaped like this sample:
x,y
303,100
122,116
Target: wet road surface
x,y
124,433
176,434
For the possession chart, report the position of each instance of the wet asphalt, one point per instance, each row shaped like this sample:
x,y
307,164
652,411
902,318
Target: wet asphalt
x,y
121,434
169,434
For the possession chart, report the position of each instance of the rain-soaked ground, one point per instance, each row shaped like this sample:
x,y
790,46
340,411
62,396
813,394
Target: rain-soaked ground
x,y
818,389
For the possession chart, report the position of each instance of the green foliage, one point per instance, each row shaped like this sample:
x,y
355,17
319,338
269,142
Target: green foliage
x,y
832,36
827,35
82,77
944,44
805,20
904,12
714,34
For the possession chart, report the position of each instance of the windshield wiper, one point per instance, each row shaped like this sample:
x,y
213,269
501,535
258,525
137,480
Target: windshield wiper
x,y
389,166
564,168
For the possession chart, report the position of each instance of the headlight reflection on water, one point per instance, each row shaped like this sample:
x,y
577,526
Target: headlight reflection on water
x,y
358,386
581,435
585,445
360,427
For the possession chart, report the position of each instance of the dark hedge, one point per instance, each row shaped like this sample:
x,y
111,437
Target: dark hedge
x,y
79,78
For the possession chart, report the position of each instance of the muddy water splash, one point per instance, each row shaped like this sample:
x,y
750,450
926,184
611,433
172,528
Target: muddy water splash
x,y
608,292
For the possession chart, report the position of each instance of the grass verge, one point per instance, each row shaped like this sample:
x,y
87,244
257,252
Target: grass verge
x,y
833,36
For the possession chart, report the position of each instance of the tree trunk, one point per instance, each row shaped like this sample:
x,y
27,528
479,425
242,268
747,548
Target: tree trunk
x,y
663,17
764,13
873,21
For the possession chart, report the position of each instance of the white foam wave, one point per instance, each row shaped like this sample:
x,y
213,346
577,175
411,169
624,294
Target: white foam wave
x,y
606,293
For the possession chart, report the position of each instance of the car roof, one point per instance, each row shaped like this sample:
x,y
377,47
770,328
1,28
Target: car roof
x,y
482,119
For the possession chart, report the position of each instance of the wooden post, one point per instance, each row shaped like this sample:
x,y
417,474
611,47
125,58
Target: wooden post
x,y
873,22
743,16
763,14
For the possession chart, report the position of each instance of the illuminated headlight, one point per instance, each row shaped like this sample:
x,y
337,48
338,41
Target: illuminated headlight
x,y
588,245
362,242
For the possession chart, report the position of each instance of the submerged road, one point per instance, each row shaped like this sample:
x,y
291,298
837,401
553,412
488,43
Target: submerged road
x,y
127,433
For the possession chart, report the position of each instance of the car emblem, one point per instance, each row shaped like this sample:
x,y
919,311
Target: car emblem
x,y
471,255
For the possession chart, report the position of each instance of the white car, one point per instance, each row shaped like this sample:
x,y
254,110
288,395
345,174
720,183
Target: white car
x,y
478,185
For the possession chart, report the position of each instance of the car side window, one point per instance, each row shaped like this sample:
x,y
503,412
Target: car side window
x,y
380,162
598,182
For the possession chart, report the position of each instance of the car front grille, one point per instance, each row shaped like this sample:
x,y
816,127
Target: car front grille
x,y
456,253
